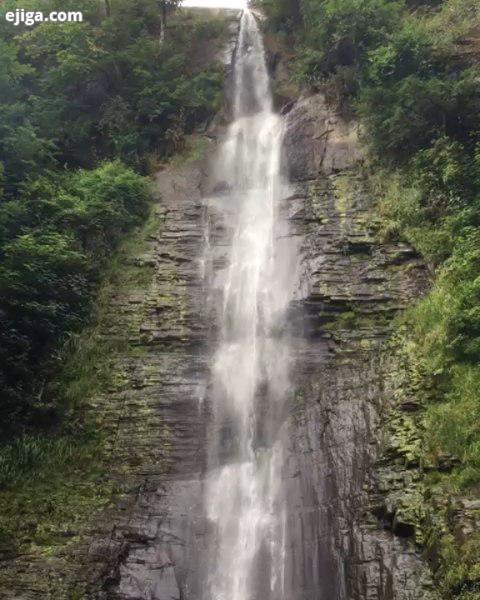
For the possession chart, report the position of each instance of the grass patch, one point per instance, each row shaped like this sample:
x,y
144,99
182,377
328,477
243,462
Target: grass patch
x,y
446,432
194,149
53,481
52,485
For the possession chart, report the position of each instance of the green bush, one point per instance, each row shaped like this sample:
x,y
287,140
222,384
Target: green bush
x,y
408,52
338,33
56,238
81,106
412,114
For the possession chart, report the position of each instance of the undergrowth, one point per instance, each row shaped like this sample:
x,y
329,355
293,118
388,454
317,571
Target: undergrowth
x,y
51,482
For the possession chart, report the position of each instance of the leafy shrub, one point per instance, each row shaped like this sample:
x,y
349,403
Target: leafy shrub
x,y
408,52
338,33
82,105
56,237
412,114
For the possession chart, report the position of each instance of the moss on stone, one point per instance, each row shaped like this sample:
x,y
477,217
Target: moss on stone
x,y
418,488
343,194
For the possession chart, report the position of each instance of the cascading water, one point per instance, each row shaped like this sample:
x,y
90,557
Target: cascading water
x,y
244,496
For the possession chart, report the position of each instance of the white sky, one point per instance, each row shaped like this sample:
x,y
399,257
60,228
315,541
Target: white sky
x,y
216,3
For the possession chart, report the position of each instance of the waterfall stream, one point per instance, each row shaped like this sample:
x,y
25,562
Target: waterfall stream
x,y
244,498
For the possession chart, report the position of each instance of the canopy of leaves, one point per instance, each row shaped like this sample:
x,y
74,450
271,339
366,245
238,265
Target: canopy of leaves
x,y
84,108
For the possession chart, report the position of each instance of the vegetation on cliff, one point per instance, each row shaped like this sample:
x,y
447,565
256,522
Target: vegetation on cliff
x,y
87,108
87,111
409,70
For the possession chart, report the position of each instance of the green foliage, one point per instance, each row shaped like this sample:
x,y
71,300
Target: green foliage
x,y
51,481
84,109
283,15
49,487
55,239
448,384
460,570
413,113
118,89
400,68
338,33
28,456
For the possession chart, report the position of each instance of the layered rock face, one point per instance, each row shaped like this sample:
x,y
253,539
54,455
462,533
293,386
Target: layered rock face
x,y
351,287
148,549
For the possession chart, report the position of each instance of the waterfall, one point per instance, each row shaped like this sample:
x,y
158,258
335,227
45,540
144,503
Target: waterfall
x,y
250,371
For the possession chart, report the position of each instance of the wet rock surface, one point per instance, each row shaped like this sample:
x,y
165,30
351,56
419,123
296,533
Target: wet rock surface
x,y
318,140
351,286
144,552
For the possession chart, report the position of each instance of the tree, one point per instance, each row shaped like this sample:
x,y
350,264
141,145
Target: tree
x,y
165,7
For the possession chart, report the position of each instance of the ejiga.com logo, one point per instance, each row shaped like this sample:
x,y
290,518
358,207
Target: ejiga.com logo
x,y
20,16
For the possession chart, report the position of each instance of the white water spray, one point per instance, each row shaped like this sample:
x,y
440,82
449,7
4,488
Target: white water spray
x,y
244,501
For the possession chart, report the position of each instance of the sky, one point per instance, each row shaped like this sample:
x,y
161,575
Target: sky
x,y
216,3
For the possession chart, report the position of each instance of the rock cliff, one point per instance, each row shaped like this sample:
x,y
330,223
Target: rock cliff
x,y
352,286
343,544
